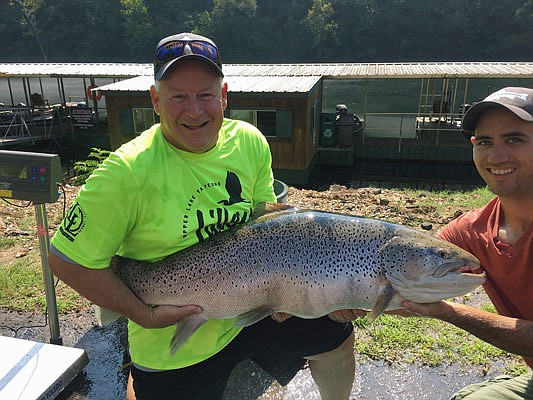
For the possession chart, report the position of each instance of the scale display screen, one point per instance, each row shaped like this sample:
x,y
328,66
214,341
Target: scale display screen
x,y
14,171
29,176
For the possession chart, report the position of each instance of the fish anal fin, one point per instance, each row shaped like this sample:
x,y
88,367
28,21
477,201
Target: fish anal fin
x,y
384,299
184,330
251,317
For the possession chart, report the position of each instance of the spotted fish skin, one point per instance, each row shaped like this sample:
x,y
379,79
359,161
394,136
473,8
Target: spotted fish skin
x,y
306,263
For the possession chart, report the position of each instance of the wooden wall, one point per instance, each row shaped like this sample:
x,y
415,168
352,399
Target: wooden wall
x,y
292,157
118,108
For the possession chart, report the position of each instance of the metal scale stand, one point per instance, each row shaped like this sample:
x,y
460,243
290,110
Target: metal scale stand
x,y
32,370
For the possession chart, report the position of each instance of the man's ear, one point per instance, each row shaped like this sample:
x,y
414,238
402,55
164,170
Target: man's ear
x,y
154,96
224,96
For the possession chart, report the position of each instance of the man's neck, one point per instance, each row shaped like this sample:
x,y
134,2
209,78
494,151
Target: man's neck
x,y
515,218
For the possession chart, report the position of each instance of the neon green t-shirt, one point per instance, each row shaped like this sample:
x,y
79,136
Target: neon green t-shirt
x,y
149,200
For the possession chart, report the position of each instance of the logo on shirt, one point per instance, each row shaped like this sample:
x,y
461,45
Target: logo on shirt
x,y
73,223
234,189
223,217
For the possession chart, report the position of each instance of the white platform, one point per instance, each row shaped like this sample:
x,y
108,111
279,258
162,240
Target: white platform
x,y
32,370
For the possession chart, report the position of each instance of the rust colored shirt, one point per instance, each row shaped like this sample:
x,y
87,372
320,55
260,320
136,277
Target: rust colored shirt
x,y
509,268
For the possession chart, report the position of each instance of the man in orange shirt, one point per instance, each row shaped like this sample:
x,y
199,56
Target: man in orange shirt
x,y
500,235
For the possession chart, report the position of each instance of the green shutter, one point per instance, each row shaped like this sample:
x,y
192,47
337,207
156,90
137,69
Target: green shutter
x,y
126,122
284,124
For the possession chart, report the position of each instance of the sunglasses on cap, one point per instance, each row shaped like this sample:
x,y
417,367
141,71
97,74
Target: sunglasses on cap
x,y
178,48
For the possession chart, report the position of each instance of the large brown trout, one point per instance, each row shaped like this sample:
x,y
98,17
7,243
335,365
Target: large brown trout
x,y
305,263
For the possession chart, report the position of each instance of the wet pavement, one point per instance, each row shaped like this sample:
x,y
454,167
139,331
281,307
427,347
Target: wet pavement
x,y
105,375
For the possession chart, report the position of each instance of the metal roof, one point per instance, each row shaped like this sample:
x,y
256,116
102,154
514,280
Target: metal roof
x,y
388,70
338,70
73,70
274,78
236,84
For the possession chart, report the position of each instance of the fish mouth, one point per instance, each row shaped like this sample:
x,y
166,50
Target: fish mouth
x,y
458,267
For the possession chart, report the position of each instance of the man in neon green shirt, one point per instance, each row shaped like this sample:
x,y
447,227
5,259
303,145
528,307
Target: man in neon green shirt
x,y
179,182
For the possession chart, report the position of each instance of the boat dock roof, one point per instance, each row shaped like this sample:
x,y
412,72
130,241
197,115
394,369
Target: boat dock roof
x,y
326,70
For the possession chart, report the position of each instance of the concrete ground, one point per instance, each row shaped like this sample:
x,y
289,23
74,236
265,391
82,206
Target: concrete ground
x,y
105,375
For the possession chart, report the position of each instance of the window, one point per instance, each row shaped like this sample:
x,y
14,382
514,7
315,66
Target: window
x,y
269,122
143,118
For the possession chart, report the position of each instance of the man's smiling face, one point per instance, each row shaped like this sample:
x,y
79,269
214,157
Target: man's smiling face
x,y
190,102
503,153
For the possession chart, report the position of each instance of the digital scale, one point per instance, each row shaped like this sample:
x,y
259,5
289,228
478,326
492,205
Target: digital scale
x,y
31,370
29,176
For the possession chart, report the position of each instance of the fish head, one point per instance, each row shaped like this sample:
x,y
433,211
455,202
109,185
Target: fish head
x,y
424,269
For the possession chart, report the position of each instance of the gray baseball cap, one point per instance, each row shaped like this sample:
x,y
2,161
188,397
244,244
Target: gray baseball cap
x,y
518,100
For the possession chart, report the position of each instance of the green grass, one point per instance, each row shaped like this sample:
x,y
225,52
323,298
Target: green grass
x,y
22,287
424,341
7,243
441,201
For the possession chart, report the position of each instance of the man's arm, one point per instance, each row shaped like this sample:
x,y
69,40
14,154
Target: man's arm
x,y
104,288
509,334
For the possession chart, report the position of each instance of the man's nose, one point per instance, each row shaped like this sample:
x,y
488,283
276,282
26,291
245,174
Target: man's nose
x,y
499,153
193,106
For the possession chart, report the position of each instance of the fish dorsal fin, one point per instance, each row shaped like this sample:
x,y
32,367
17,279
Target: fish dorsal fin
x,y
251,317
265,208
382,302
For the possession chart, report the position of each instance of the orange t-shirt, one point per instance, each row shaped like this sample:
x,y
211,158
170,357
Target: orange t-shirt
x,y
509,268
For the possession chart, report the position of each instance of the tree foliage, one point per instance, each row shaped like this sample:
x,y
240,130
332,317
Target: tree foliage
x,y
271,31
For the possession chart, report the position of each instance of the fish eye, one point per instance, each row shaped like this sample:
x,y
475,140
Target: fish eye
x,y
442,253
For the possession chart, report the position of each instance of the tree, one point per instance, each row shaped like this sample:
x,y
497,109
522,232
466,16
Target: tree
x,y
232,28
137,26
323,29
28,9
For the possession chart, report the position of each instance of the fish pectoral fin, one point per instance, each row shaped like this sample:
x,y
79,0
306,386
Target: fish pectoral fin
x,y
184,330
104,316
382,302
251,317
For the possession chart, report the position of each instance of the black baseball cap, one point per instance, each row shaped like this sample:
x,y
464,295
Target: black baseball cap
x,y
185,46
518,100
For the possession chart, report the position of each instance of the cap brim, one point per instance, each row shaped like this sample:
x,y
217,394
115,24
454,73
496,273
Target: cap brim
x,y
162,71
474,112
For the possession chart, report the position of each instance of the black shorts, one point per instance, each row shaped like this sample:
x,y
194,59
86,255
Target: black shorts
x,y
278,348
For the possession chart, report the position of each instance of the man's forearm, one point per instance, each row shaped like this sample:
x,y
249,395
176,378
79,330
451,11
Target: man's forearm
x,y
510,334
101,287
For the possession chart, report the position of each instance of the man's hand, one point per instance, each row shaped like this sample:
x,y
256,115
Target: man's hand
x,y
432,310
165,315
